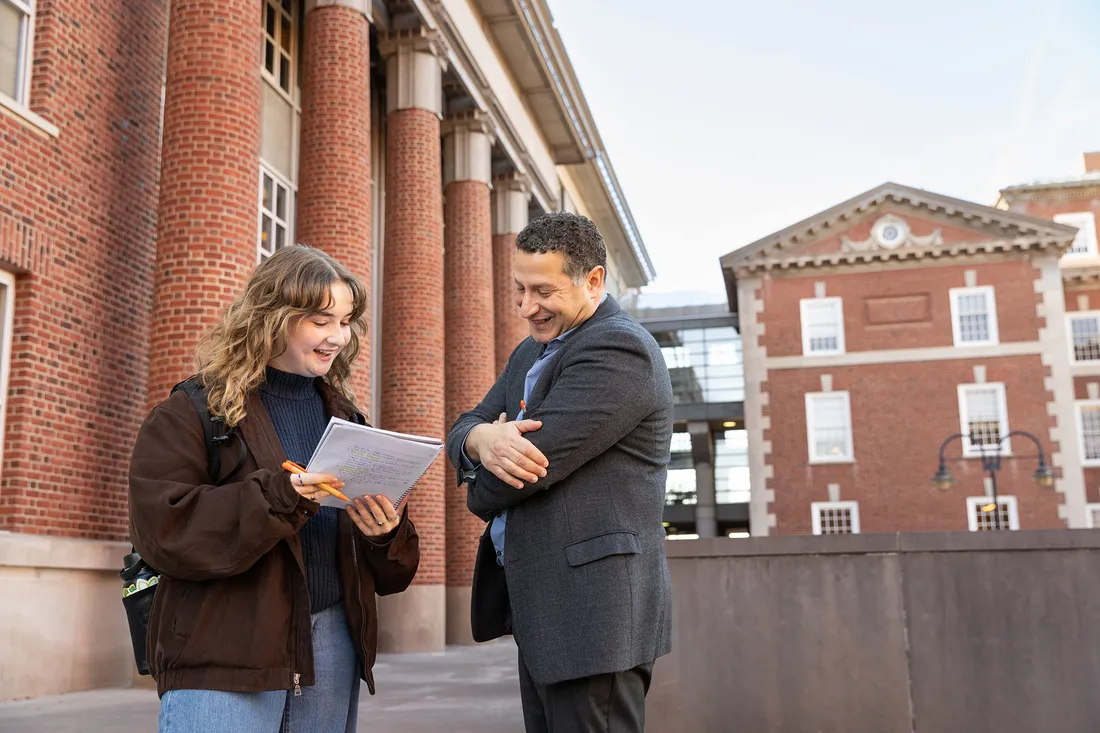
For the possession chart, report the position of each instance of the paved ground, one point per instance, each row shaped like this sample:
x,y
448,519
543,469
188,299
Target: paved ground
x,y
463,690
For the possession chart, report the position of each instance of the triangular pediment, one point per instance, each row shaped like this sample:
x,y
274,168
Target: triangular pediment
x,y
898,222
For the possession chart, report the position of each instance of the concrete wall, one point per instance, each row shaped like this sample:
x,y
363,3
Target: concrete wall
x,y
921,633
62,625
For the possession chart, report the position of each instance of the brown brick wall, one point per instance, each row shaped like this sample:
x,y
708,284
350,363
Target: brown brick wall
x,y
206,230
901,413
334,194
908,307
77,226
511,328
469,343
413,314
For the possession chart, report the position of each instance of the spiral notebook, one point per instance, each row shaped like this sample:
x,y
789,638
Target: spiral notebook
x,y
372,461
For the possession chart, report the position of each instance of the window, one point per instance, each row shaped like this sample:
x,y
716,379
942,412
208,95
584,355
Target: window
x,y
822,326
7,328
1092,516
1084,244
835,517
1084,333
829,427
1088,431
983,414
982,517
974,316
280,18
274,213
16,41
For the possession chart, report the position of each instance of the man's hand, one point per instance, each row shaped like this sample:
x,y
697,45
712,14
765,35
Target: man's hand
x,y
501,448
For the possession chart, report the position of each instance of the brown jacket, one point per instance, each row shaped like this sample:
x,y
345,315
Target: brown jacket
x,y
232,610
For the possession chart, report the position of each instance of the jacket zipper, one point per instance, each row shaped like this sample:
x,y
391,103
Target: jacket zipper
x,y
362,610
296,677
297,687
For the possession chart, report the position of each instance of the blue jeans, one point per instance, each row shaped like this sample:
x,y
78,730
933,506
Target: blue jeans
x,y
330,706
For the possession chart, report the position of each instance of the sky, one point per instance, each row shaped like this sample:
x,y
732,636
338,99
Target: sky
x,y
728,120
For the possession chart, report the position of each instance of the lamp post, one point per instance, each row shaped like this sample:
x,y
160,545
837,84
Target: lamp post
x,y
991,462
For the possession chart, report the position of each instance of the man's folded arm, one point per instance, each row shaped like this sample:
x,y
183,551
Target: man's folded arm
x,y
601,394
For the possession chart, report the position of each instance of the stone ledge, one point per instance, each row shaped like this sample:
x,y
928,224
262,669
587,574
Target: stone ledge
x,y
45,551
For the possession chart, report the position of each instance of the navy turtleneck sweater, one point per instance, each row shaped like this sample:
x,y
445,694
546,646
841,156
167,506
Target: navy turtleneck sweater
x,y
298,414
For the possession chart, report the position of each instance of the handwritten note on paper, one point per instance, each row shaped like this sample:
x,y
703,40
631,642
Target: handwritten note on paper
x,y
372,461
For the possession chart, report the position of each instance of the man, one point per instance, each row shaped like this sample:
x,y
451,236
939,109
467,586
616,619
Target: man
x,y
572,563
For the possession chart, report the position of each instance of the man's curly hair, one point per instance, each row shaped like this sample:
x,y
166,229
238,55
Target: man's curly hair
x,y
576,237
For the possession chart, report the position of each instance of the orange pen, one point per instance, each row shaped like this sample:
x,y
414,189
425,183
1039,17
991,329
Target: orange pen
x,y
523,406
295,468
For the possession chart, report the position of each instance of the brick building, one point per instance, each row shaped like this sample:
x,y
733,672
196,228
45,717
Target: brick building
x,y
875,330
153,152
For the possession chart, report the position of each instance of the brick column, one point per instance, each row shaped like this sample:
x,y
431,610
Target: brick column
x,y
412,320
510,196
206,230
334,190
470,357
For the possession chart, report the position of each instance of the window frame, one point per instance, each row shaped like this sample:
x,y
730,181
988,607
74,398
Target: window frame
x,y
838,304
1079,407
974,505
974,450
291,95
20,106
817,507
1071,316
956,326
1088,219
1090,511
288,222
811,397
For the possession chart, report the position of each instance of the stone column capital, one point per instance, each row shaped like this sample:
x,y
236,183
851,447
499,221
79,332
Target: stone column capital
x,y
511,193
361,6
467,147
415,60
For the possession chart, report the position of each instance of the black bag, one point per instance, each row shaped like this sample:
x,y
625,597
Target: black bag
x,y
139,579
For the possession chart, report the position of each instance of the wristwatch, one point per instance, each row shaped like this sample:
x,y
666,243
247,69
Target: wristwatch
x,y
468,476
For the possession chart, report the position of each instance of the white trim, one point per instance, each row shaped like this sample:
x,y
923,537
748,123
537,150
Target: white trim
x,y
973,451
1072,316
991,305
18,107
811,397
836,305
291,95
1078,408
909,356
1085,221
1091,513
853,514
288,222
7,323
975,503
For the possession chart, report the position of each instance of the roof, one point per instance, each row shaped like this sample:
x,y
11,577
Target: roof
x,y
1076,181
779,249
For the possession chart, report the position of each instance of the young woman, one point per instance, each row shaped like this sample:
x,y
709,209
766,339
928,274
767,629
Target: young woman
x,y
265,616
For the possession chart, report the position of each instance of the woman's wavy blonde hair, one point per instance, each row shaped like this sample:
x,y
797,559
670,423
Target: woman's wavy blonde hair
x,y
296,281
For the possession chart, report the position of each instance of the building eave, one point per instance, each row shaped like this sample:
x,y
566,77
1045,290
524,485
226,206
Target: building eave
x,y
524,35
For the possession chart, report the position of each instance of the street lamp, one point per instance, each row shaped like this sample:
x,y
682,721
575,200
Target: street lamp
x,y
991,462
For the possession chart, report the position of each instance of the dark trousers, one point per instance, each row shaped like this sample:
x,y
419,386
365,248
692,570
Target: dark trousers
x,y
608,703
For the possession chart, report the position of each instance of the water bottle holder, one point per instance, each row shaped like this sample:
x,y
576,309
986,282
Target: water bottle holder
x,y
138,606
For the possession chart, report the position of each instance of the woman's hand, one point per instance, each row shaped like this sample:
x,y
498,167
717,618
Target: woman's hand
x,y
374,515
306,484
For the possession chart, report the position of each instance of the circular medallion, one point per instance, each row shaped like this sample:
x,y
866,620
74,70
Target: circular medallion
x,y
890,232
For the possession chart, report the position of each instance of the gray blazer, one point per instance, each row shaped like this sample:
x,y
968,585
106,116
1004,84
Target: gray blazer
x,y
585,588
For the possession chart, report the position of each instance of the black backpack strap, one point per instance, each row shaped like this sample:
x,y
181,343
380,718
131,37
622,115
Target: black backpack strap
x,y
217,435
358,419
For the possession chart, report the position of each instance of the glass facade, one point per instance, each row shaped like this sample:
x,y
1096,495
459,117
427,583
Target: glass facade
x,y
704,363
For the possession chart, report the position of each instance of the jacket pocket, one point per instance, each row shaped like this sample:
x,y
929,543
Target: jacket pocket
x,y
601,546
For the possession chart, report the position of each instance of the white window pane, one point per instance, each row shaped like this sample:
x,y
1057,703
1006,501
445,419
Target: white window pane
x,y
821,321
1090,432
681,443
1085,240
836,520
830,427
11,48
269,184
983,415
1085,332
986,516
973,314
